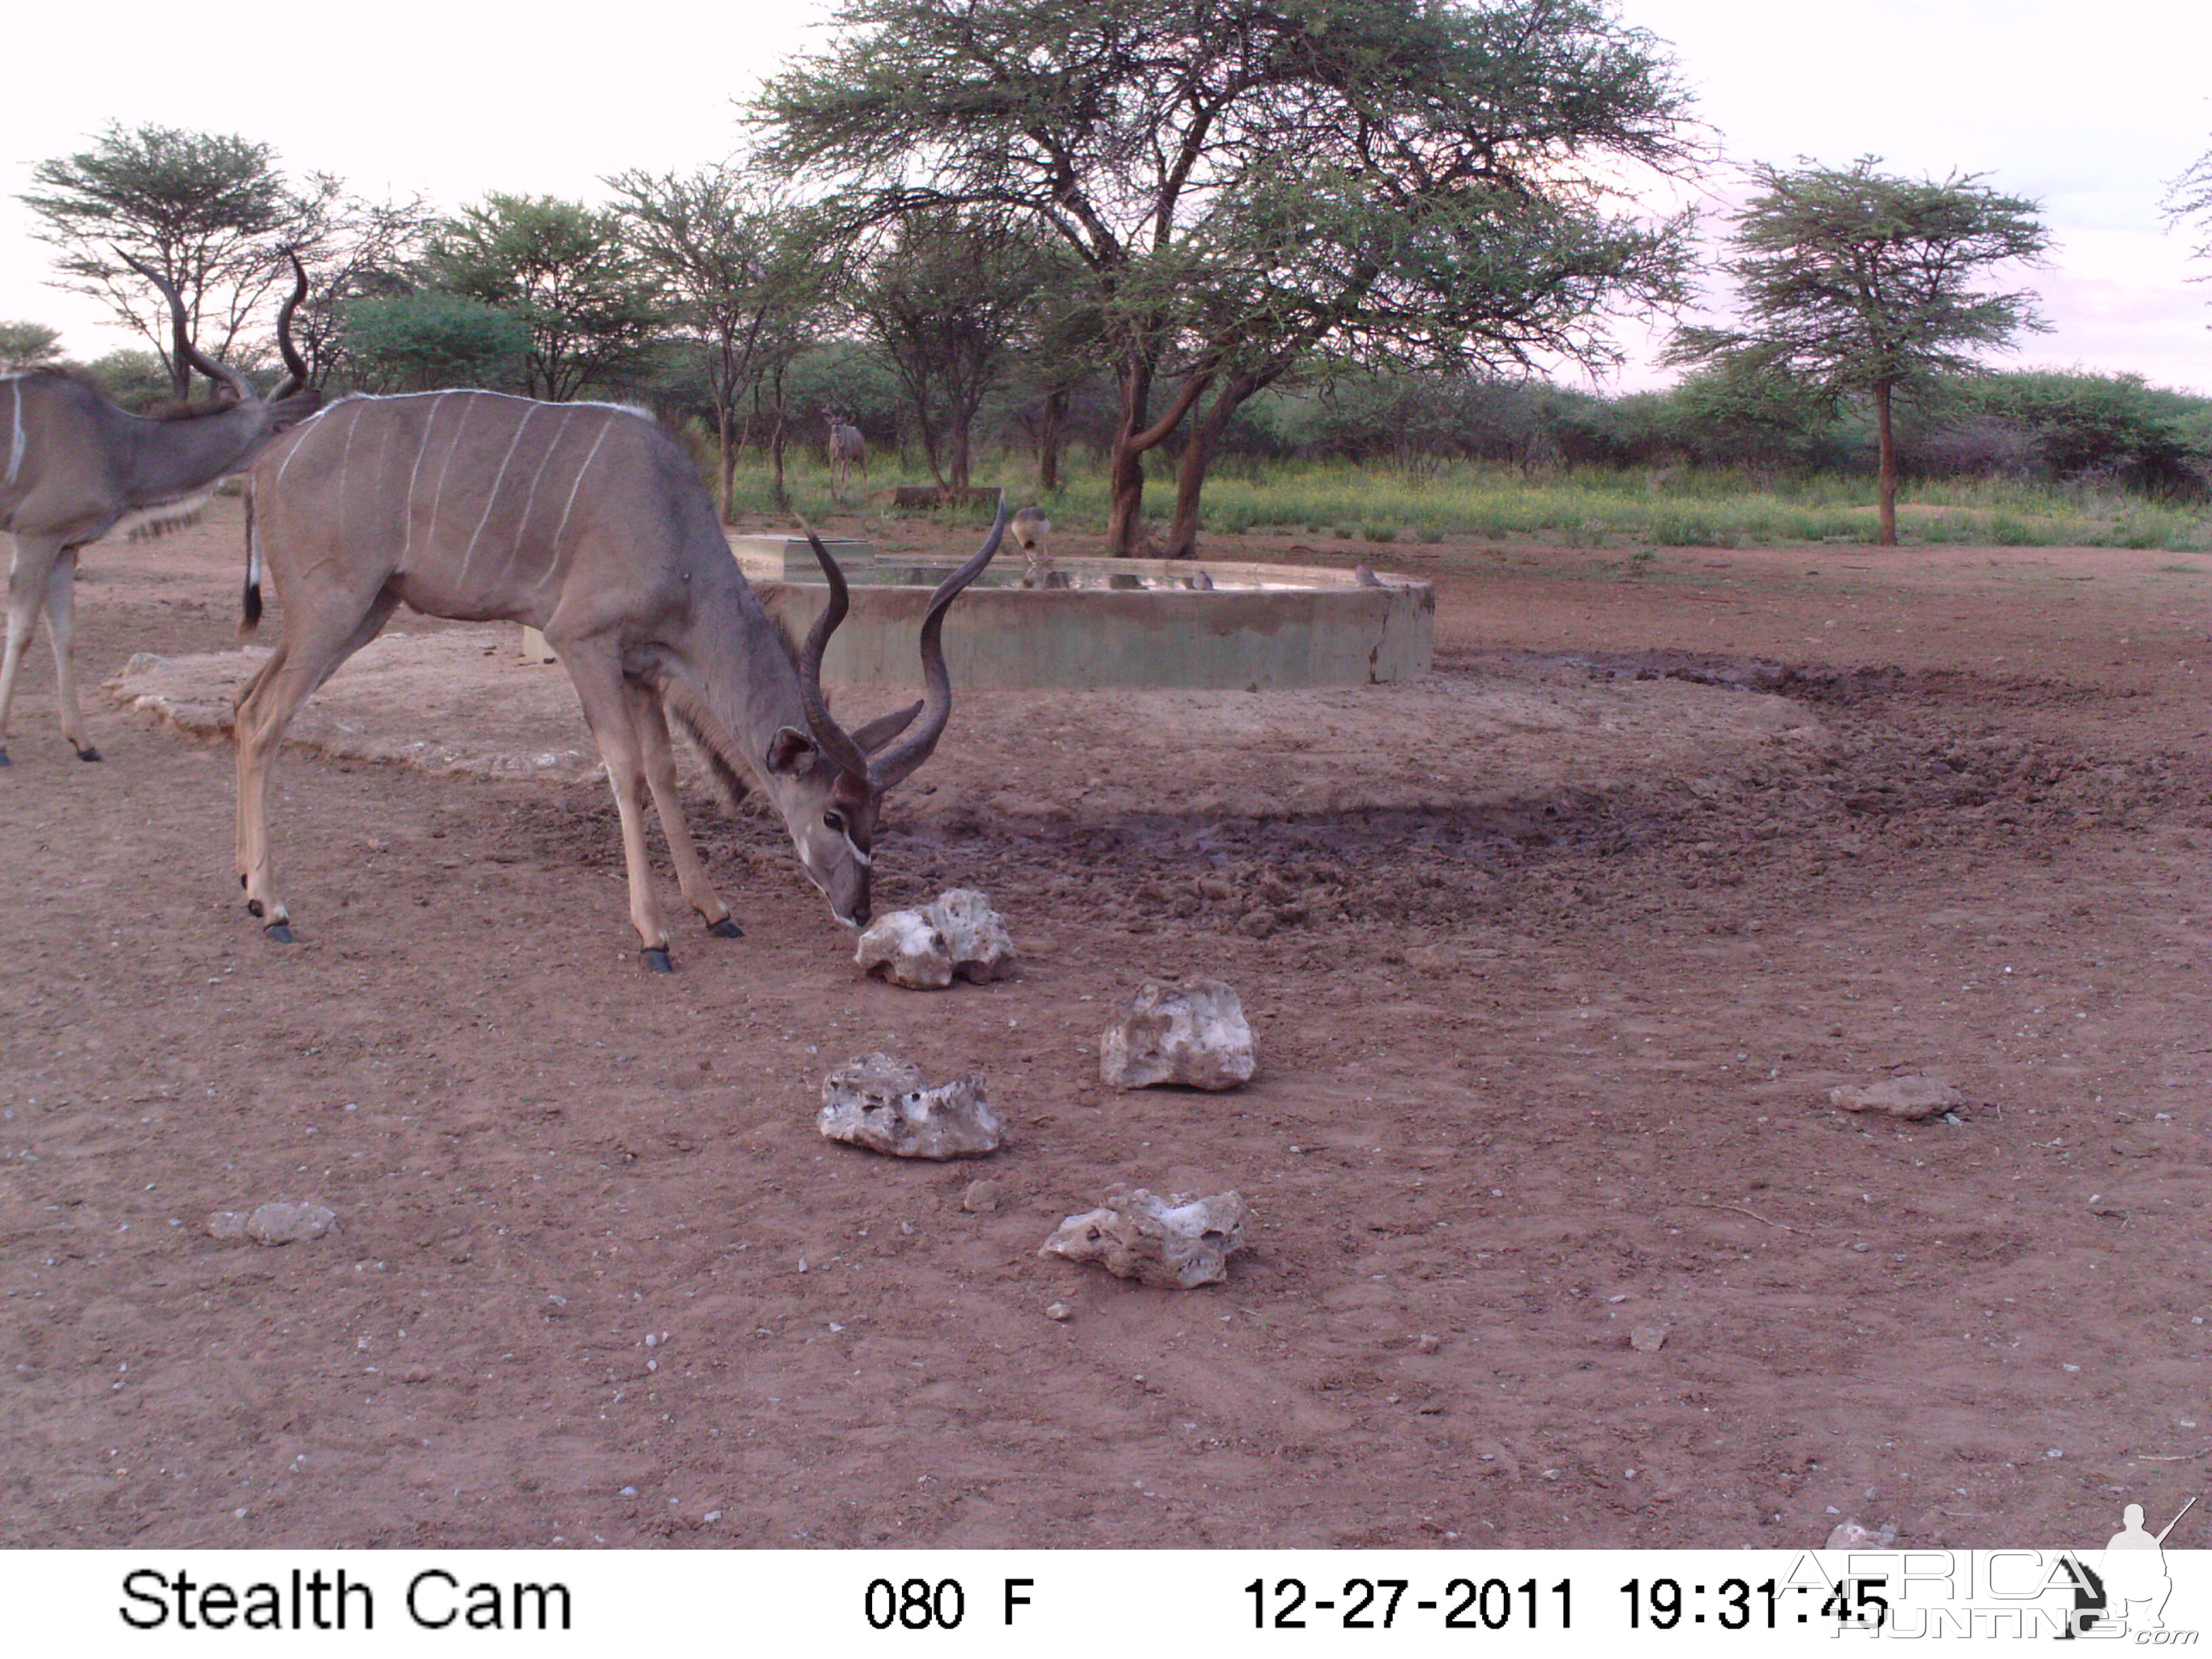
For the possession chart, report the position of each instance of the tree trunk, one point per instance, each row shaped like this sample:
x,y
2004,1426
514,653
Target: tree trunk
x,y
1198,456
725,389
1886,490
958,441
1125,500
930,446
1190,478
775,448
1049,431
727,456
1124,467
180,371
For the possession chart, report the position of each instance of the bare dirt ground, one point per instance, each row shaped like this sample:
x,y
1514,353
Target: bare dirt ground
x,y
1554,960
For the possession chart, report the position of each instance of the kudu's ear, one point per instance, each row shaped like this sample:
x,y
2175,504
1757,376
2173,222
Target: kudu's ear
x,y
882,729
789,750
291,410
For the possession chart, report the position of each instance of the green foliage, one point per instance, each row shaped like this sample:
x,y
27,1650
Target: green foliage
x,y
2189,201
418,341
565,270
2112,428
28,345
138,381
1852,281
843,374
945,302
745,278
207,210
1244,186
1607,507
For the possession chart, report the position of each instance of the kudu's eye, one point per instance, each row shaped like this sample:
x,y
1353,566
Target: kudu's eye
x,y
834,821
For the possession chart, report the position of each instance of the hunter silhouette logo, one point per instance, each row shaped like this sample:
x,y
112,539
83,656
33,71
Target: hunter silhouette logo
x,y
2134,1583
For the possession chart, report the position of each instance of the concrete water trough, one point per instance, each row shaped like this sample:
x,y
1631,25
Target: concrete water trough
x,y
1096,624
1193,624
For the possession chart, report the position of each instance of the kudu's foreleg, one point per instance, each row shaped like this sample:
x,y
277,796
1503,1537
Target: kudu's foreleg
x,y
61,629
302,662
596,671
27,588
659,757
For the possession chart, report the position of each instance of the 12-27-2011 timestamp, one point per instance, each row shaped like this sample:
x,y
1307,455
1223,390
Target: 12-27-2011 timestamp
x,y
1386,1603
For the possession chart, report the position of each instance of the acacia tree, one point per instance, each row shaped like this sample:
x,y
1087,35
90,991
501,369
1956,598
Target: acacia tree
x,y
421,342
363,251
28,345
1244,182
738,270
1858,285
946,302
210,211
567,273
2189,198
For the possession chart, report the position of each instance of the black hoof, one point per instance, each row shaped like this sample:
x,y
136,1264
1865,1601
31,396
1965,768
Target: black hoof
x,y
726,928
87,754
4,761
280,932
657,962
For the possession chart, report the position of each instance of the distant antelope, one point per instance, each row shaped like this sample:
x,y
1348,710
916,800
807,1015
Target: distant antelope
x,y
78,469
847,449
585,521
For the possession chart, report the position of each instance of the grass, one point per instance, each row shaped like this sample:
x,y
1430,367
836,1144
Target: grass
x,y
1592,507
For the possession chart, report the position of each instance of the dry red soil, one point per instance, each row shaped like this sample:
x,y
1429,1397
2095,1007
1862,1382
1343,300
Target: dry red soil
x,y
1554,959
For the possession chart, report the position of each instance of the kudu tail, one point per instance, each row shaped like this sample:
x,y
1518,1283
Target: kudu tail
x,y
253,618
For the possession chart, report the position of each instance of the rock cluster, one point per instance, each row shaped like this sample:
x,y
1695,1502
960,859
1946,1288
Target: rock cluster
x,y
1173,1243
879,1103
959,936
1194,1035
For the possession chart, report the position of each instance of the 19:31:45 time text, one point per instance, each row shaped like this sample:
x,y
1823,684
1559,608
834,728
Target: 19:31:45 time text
x,y
1376,1603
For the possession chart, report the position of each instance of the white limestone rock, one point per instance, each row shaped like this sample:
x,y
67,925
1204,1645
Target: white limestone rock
x,y
1174,1243
976,935
906,948
1195,1034
1911,1096
880,1104
958,935
280,1223
1855,1535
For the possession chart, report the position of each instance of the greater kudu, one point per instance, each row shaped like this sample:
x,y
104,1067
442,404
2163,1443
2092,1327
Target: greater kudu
x,y
846,446
586,522
79,468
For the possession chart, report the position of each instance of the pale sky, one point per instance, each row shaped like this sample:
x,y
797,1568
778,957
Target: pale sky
x,y
2088,110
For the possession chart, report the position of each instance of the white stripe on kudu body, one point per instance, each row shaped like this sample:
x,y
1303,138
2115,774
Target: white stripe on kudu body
x,y
491,496
634,587
15,429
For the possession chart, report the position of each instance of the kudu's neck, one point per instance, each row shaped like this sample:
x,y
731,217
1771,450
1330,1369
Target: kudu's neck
x,y
160,460
731,658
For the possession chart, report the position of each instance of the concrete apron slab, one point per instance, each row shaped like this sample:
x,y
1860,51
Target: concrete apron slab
x,y
1261,628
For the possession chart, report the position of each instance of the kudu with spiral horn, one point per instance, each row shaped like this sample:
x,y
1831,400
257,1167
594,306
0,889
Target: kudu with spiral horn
x,y
78,469
588,522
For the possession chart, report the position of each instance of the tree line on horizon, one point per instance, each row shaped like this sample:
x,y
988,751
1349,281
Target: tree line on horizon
x,y
1177,236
